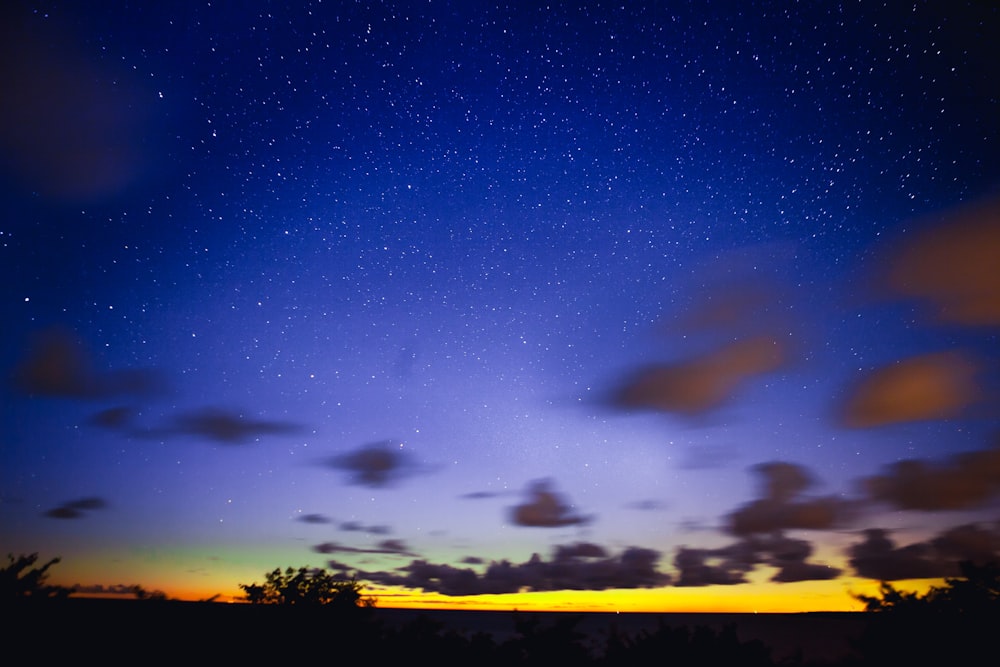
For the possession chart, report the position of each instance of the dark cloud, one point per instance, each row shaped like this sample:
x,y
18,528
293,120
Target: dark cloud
x,y
781,508
953,267
481,495
355,527
77,509
392,547
707,567
314,518
71,127
932,386
790,556
226,427
57,365
973,542
566,552
545,509
339,567
375,464
963,481
877,557
570,569
729,565
113,418
703,384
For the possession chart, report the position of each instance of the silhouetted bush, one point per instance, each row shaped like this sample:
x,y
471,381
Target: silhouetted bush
x,y
954,624
20,580
306,586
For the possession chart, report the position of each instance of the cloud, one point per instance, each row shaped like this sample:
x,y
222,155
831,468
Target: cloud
x,y
71,127
953,267
963,481
105,589
314,519
729,565
973,542
392,547
355,527
648,505
57,365
225,426
702,384
545,509
376,464
877,557
790,557
113,418
76,509
706,567
781,508
932,386
572,567
481,495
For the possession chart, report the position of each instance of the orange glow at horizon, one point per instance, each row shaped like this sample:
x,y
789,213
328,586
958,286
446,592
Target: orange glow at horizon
x,y
817,596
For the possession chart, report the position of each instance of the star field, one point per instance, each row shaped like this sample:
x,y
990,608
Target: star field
x,y
464,300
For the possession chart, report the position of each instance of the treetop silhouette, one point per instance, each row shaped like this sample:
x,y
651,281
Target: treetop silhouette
x,y
306,586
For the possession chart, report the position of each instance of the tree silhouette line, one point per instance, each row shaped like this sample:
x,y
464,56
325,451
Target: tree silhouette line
x,y
296,612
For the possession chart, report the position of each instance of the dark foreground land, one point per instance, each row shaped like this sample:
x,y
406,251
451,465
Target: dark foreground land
x,y
119,632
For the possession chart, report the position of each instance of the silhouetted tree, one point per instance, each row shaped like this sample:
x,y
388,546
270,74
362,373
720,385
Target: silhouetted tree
x,y
306,586
142,594
20,580
952,624
977,590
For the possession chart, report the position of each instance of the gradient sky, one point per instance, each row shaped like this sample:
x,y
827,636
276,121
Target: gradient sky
x,y
669,306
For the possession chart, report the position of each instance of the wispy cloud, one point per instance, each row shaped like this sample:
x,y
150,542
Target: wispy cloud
x,y
77,509
225,426
392,547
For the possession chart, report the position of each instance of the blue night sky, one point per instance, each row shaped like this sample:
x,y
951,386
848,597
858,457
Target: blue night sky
x,y
669,305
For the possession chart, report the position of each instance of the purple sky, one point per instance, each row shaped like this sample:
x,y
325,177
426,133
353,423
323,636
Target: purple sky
x,y
487,300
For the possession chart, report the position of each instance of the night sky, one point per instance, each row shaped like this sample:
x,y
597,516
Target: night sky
x,y
663,306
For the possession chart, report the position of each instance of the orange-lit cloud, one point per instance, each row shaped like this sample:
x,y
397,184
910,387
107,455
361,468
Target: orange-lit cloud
x,y
932,386
701,384
955,267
